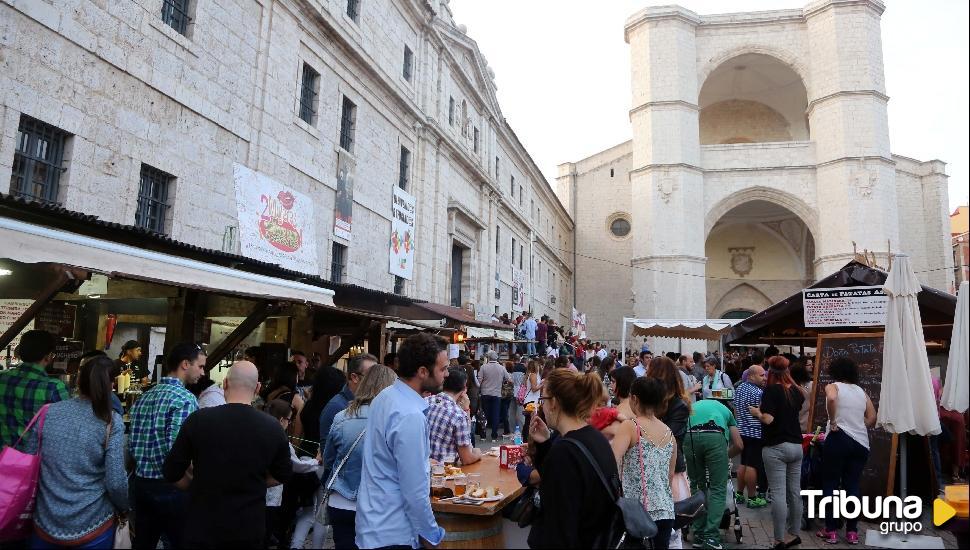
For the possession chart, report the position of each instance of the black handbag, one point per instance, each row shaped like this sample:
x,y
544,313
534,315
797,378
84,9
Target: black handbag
x,y
634,521
685,511
524,510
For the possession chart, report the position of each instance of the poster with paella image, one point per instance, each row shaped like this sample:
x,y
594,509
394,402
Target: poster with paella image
x,y
275,222
401,243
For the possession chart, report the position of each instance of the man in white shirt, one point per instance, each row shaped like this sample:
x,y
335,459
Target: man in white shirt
x,y
644,366
601,352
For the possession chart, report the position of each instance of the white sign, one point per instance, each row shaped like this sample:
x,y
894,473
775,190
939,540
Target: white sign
x,y
275,222
401,244
10,311
518,290
853,306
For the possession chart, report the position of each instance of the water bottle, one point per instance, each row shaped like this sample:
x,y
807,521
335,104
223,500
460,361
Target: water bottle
x,y
517,438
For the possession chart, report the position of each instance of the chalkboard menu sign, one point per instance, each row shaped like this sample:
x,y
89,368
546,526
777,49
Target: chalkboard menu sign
x,y
57,318
866,350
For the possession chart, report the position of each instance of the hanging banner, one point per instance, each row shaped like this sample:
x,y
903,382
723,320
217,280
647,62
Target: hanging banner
x,y
579,324
854,306
518,290
401,245
344,207
275,222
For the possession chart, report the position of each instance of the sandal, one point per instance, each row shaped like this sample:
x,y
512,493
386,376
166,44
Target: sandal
x,y
852,537
830,537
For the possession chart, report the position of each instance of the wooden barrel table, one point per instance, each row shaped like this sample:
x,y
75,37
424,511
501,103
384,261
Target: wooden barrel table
x,y
478,526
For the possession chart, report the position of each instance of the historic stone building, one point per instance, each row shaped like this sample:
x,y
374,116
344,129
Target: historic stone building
x,y
139,111
760,161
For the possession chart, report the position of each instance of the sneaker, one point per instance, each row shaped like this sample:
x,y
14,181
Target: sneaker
x,y
852,537
757,502
707,543
830,537
739,498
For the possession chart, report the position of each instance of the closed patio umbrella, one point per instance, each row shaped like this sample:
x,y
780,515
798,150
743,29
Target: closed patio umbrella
x,y
906,400
956,390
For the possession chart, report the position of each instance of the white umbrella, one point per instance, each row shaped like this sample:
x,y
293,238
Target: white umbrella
x,y
956,390
906,400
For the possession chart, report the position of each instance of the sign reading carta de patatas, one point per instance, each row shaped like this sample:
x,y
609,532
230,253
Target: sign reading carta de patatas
x,y
854,306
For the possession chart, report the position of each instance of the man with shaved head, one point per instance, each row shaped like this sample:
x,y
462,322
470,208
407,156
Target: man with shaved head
x,y
752,469
227,456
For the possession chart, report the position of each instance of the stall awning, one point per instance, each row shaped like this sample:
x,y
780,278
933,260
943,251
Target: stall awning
x,y
489,334
456,315
29,243
697,329
406,324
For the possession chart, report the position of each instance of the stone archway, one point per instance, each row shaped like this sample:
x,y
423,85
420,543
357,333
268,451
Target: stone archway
x,y
797,206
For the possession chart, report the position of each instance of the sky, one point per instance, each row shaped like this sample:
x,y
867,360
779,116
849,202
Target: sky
x,y
563,74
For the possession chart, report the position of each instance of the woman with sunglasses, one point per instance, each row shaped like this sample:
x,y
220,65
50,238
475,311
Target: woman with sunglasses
x,y
575,508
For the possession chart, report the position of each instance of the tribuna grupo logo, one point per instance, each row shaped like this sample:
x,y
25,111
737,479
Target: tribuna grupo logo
x,y
895,515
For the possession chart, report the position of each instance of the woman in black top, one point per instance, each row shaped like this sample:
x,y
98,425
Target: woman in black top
x,y
575,508
782,452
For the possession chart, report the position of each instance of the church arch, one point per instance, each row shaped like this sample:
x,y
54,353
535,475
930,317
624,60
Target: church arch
x,y
796,205
742,297
783,56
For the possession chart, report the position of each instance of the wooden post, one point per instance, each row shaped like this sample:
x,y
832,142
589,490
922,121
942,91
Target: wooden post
x,y
349,341
64,278
238,334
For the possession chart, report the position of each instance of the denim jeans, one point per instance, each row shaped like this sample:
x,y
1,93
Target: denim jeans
x,y
503,413
843,460
783,466
344,524
492,404
531,347
159,510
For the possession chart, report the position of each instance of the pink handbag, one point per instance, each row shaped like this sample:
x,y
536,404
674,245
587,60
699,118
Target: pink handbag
x,y
19,472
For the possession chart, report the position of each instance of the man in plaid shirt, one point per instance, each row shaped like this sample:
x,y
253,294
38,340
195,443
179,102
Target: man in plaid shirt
x,y
155,422
27,388
448,424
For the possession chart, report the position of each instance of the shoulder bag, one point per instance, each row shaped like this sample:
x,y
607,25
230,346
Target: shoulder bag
x,y
19,472
631,521
324,499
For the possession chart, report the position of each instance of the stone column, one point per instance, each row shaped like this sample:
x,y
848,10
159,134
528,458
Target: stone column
x,y
847,110
666,181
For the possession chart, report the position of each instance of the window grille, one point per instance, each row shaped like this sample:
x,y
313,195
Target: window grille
x,y
308,95
408,63
475,142
451,111
175,14
348,121
338,262
153,192
37,161
353,10
398,285
404,168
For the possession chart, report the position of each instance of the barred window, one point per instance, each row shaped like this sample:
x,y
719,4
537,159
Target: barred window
x,y
498,239
398,285
348,122
404,169
308,94
37,162
520,195
175,14
513,251
153,192
338,262
408,64
512,185
353,10
451,111
475,142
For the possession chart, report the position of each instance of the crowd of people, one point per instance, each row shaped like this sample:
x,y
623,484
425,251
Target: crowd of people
x,y
318,449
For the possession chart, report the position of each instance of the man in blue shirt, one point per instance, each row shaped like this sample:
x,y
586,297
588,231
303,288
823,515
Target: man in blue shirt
x,y
394,499
530,333
357,367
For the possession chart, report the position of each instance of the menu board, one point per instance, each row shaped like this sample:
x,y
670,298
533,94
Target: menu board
x,y
853,306
866,350
10,311
57,318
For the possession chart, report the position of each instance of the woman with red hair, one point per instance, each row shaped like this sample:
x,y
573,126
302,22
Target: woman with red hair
x,y
782,452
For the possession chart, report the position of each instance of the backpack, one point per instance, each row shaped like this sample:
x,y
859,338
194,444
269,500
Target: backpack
x,y
508,388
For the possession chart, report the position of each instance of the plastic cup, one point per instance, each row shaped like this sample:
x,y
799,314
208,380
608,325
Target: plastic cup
x,y
473,481
461,482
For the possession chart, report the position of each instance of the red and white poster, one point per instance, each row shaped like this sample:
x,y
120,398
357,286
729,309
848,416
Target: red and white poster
x,y
401,244
275,222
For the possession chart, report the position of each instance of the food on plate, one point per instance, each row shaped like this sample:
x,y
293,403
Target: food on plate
x,y
530,407
484,492
477,493
452,470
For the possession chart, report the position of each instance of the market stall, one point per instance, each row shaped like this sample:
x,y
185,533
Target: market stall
x,y
690,329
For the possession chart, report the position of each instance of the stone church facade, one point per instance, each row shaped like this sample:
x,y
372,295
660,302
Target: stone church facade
x,y
760,161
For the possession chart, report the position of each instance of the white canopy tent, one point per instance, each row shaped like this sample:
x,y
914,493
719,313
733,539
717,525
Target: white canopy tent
x,y
694,329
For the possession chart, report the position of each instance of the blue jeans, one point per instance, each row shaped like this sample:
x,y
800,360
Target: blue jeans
x,y
492,404
530,347
344,523
843,460
159,510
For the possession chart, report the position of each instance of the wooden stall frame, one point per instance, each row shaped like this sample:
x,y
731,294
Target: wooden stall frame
x,y
67,279
260,313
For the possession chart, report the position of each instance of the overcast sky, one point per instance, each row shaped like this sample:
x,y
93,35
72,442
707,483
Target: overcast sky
x,y
563,73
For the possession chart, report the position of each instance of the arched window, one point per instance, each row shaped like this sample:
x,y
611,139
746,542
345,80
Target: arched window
x,y
738,314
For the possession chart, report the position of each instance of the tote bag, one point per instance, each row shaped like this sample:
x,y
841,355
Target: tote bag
x,y
19,472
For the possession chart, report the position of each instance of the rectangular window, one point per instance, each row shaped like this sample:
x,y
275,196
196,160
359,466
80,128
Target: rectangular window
x,y
353,10
475,141
153,199
338,262
408,71
513,251
308,94
404,169
520,195
512,186
521,253
496,167
175,14
451,111
398,285
498,239
348,123
37,161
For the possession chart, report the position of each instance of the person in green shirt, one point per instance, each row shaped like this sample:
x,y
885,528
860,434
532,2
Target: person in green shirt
x,y
27,388
712,438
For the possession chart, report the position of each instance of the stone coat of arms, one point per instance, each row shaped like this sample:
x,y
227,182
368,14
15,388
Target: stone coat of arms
x,y
742,260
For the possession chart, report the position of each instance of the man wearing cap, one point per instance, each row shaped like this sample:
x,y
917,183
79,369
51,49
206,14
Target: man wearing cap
x,y
129,360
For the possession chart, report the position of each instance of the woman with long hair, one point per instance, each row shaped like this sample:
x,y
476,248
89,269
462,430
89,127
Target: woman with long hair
x,y
83,484
782,451
327,383
846,448
346,430
646,455
576,508
283,386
